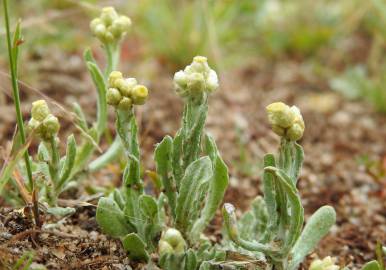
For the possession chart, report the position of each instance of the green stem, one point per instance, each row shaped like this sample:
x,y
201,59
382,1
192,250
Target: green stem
x,y
55,160
16,96
112,55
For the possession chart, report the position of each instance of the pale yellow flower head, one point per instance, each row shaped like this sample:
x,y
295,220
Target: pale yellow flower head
x,y
42,121
286,121
110,27
327,263
196,78
123,93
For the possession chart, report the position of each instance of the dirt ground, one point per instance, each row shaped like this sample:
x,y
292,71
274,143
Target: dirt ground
x,y
338,135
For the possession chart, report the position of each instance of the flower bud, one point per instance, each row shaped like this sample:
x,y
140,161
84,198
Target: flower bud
x,y
196,83
165,248
40,110
327,263
280,114
139,94
50,127
278,130
113,77
108,15
174,238
120,26
295,132
113,96
212,81
32,124
99,31
180,78
200,64
108,37
94,23
125,104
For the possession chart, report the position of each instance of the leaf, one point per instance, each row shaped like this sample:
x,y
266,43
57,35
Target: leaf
x,y
162,157
149,207
68,163
9,166
197,172
190,260
81,118
43,152
135,247
100,85
217,186
270,196
111,218
176,159
17,40
298,158
316,228
297,211
372,265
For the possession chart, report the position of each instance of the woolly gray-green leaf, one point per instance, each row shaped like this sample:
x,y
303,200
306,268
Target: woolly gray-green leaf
x,y
111,218
217,186
100,85
68,163
149,207
316,228
197,172
373,265
135,247
162,156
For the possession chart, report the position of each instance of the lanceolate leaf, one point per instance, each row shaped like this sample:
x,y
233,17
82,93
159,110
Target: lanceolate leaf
x,y
69,162
316,228
197,172
217,186
162,158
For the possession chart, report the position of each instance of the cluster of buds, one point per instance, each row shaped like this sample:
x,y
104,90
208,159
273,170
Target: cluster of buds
x,y
45,124
171,242
327,263
124,92
286,121
110,27
196,78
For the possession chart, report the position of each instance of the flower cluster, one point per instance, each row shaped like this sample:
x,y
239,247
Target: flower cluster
x,y
110,27
171,242
43,122
196,78
124,92
286,121
327,263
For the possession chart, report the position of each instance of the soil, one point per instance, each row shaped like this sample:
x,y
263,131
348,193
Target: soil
x,y
339,134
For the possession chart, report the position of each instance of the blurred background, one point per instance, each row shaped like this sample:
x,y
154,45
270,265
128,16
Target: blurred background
x,y
325,56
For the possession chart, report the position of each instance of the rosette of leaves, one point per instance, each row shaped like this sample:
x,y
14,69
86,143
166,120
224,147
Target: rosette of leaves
x,y
272,230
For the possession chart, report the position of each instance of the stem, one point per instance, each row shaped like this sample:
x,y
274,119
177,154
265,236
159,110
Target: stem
x,y
55,160
16,96
112,54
